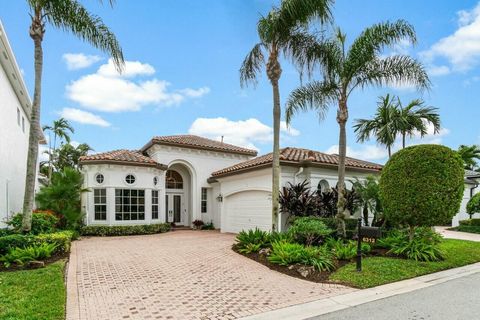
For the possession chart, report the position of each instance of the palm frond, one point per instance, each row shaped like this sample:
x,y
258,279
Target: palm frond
x,y
395,70
71,16
252,66
317,95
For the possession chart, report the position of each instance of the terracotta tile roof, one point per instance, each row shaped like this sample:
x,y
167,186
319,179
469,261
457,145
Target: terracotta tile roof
x,y
191,141
122,156
297,156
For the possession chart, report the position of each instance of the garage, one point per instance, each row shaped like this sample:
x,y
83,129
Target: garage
x,y
248,210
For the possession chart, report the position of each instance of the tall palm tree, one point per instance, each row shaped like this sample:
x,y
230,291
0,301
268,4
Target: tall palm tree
x,y
343,71
281,31
383,126
414,118
469,155
60,129
72,16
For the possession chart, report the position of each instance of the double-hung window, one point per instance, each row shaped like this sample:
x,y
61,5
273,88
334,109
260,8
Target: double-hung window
x,y
129,204
100,203
204,203
154,204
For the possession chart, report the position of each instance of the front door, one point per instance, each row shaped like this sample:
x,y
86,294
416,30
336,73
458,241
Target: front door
x,y
175,211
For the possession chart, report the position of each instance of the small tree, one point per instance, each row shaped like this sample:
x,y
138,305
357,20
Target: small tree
x,y
422,186
367,191
473,205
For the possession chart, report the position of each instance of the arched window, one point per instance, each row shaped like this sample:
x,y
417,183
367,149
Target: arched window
x,y
173,180
323,185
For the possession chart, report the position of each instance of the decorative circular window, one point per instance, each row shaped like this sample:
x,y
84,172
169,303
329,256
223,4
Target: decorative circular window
x,y
99,178
155,181
130,179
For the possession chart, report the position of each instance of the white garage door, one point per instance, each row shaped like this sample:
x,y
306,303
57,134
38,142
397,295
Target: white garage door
x,y
248,210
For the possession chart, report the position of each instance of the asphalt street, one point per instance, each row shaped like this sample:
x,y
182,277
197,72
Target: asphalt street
x,y
452,300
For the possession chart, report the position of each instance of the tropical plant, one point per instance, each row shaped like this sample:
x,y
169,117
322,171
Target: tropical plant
x,y
327,202
473,205
346,250
71,16
369,199
318,257
68,155
343,71
60,129
285,254
414,118
22,256
421,186
297,200
255,236
309,231
63,197
383,126
469,155
250,248
41,223
208,226
280,32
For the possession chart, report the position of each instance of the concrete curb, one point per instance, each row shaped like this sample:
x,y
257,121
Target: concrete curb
x,y
335,303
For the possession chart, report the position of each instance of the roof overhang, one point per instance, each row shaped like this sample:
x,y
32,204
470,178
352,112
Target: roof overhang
x,y
124,163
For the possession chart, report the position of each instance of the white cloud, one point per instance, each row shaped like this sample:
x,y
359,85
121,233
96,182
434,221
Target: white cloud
x,y
108,91
438,70
363,152
462,48
289,130
245,133
77,61
83,117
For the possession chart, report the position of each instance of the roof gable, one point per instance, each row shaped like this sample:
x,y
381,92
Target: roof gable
x,y
122,156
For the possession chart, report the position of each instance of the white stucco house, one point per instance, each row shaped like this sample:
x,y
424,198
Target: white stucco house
x,y
15,108
183,178
472,182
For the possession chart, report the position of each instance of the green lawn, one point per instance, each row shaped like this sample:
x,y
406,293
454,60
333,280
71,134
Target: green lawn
x,y
33,294
382,270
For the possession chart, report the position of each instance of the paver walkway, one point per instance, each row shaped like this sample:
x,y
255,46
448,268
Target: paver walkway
x,y
450,234
177,275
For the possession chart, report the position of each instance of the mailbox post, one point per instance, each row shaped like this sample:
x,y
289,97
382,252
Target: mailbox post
x,y
371,233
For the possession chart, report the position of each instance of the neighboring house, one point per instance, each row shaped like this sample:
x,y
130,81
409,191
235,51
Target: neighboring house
x,y
183,178
472,182
15,108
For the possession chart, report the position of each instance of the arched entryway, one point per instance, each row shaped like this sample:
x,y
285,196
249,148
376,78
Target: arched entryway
x,y
178,194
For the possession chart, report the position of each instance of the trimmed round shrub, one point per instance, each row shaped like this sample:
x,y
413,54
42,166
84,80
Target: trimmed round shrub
x,y
422,186
473,205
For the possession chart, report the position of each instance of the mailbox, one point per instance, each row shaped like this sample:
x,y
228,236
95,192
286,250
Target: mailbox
x,y
370,232
367,234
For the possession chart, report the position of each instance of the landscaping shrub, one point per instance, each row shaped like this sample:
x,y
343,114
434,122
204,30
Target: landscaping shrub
x,y
198,224
250,248
423,247
470,229
422,186
62,196
309,230
473,205
280,236
208,226
297,200
285,253
22,256
6,232
350,225
42,222
470,222
104,231
255,237
62,240
346,250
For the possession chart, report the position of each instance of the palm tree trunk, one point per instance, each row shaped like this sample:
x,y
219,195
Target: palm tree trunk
x,y
389,148
276,156
365,214
274,71
342,117
36,33
403,140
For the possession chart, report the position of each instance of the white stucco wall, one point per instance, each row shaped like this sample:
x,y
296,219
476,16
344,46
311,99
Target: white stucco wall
x,y
115,179
462,214
13,150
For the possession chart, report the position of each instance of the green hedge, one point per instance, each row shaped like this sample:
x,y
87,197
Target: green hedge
x,y
62,239
468,228
470,222
124,230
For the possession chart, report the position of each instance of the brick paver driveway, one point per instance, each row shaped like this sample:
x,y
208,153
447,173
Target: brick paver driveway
x,y
176,275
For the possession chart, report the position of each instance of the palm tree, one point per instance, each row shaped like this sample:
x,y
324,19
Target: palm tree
x,y
469,155
280,32
343,71
367,190
60,130
383,126
68,15
68,155
415,117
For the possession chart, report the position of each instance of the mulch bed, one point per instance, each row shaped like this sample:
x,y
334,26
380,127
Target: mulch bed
x,y
35,264
314,276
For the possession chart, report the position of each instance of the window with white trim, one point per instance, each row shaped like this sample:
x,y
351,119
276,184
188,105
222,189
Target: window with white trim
x,y
129,204
23,124
204,203
154,204
130,179
100,203
99,178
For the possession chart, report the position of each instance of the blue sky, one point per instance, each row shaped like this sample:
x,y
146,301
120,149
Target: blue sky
x,y
182,73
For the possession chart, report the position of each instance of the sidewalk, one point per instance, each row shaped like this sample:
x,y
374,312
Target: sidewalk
x,y
327,305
